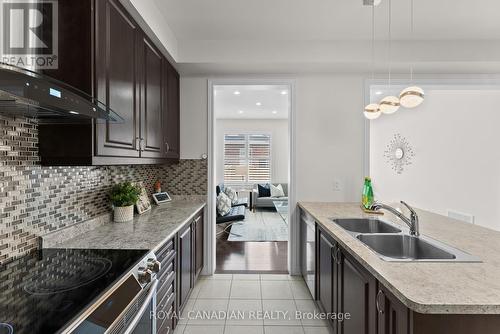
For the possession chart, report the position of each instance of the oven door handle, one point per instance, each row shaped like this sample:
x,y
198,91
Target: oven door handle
x,y
145,305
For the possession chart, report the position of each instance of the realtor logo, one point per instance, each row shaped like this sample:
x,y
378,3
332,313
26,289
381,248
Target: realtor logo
x,y
28,36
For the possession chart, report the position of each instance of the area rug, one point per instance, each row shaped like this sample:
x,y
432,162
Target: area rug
x,y
263,225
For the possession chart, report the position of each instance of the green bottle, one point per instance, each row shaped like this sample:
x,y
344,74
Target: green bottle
x,y
367,197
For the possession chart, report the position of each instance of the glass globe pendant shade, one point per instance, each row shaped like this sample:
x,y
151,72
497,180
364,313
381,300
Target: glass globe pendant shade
x,y
389,104
411,97
372,111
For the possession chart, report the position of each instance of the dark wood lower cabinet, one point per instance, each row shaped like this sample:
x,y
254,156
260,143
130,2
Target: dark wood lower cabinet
x,y
356,296
190,257
454,323
185,265
345,286
198,243
181,261
325,281
392,315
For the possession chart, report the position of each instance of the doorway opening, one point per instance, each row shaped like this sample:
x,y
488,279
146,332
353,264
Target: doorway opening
x,y
251,177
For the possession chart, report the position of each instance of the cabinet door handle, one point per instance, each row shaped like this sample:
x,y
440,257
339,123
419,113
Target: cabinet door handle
x,y
377,302
168,146
143,144
338,255
334,253
137,143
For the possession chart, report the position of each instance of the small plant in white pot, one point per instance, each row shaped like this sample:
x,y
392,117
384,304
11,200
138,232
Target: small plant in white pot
x,y
123,197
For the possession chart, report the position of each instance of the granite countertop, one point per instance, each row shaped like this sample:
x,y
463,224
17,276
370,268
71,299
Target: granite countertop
x,y
426,287
147,231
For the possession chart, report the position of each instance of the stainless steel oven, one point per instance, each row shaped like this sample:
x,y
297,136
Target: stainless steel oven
x,y
128,307
145,319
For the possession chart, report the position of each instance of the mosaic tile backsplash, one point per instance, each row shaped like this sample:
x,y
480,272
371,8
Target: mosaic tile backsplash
x,y
35,200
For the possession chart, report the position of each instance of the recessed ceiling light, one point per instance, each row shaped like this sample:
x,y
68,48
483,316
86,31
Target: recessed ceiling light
x,y
378,93
284,92
371,2
274,112
237,92
258,104
240,111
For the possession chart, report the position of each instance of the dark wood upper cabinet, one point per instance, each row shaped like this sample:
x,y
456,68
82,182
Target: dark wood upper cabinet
x,y
75,38
172,113
151,83
116,78
119,65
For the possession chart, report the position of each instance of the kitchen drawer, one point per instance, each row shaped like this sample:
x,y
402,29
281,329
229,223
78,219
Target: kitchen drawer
x,y
168,260
165,275
165,290
165,309
165,251
165,325
163,303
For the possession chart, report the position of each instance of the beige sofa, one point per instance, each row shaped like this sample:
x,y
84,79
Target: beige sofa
x,y
267,202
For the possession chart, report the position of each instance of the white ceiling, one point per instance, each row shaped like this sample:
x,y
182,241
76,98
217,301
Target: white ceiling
x,y
304,36
329,19
240,102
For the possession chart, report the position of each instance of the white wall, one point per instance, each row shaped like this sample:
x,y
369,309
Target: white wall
x,y
194,117
454,135
330,137
277,128
329,133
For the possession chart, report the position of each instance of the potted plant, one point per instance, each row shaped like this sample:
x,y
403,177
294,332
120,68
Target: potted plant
x,y
123,197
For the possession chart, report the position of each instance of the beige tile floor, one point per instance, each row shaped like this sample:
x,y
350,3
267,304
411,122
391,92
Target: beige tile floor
x,y
248,294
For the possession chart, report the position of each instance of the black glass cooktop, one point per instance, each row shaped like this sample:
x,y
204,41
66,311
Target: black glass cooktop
x,y
41,292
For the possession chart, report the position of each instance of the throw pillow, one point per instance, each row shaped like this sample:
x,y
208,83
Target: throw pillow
x,y
277,191
223,204
264,190
232,194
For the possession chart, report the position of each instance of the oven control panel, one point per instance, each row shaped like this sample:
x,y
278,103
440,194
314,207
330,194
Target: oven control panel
x,y
146,269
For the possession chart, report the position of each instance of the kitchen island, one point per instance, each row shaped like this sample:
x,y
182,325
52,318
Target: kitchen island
x,y
424,297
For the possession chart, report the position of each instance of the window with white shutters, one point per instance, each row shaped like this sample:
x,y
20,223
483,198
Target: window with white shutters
x,y
247,159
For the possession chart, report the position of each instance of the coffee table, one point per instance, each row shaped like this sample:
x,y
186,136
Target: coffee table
x,y
282,209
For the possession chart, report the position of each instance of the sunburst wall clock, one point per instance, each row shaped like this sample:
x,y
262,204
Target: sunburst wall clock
x,y
399,153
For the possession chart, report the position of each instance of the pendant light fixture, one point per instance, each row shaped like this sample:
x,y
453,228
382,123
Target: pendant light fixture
x,y
411,96
389,104
372,110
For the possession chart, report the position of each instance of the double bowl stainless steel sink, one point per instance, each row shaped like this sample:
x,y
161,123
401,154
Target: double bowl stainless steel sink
x,y
392,244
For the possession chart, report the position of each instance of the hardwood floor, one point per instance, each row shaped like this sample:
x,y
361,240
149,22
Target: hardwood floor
x,y
251,256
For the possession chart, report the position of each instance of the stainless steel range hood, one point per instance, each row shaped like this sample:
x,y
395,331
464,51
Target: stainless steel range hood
x,y
31,94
